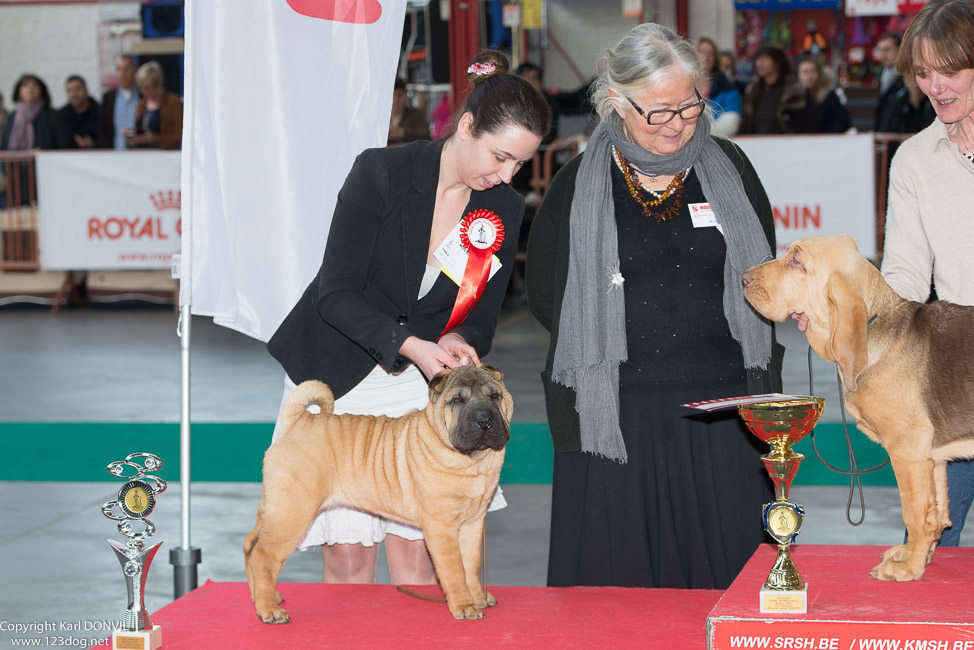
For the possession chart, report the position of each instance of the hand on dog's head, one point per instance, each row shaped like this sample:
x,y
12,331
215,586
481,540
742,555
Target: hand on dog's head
x,y
438,381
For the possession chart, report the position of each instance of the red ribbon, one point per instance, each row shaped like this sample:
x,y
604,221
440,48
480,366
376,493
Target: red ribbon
x,y
481,235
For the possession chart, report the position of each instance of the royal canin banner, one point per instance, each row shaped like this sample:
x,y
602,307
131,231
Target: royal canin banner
x,y
281,96
818,185
108,209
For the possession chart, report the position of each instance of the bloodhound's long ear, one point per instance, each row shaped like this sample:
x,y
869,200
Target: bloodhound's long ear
x,y
847,330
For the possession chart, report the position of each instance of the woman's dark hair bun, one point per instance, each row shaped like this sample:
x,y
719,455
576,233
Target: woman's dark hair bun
x,y
507,100
485,65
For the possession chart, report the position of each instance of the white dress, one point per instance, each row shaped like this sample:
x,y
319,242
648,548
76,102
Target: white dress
x,y
380,393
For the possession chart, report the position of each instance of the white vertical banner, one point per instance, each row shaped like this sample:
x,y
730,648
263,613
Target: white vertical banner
x,y
281,95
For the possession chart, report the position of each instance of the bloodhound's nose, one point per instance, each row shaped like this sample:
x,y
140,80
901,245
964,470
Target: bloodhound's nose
x,y
748,278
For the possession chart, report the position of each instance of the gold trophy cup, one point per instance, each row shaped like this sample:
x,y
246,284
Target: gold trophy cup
x,y
781,424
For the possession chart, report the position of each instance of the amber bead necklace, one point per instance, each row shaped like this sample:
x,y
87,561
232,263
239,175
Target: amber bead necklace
x,y
637,191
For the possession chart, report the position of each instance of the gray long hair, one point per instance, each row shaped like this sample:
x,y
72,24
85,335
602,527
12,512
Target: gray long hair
x,y
642,58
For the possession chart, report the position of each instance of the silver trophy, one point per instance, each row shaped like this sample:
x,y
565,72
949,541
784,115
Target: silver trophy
x,y
136,500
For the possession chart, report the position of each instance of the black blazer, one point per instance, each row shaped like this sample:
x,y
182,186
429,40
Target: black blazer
x,y
80,123
363,303
887,113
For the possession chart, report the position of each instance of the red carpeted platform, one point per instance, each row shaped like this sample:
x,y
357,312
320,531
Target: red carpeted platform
x,y
221,615
847,608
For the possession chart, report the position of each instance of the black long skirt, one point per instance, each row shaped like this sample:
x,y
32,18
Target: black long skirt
x,y
684,512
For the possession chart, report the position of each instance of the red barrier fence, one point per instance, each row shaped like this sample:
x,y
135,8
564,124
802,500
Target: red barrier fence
x,y
18,212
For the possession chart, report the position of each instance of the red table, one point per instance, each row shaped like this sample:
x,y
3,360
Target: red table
x,y
221,615
847,608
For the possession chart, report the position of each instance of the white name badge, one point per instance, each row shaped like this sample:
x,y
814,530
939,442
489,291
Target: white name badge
x,y
703,216
453,259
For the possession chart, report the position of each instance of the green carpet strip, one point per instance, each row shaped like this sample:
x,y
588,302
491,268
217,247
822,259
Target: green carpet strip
x,y
79,451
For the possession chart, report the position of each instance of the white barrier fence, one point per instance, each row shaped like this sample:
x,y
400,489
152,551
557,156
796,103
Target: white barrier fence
x,y
818,185
108,210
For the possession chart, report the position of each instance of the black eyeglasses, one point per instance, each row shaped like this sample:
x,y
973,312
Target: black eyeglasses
x,y
656,118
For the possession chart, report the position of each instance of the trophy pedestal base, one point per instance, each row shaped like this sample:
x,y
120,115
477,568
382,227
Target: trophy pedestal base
x,y
784,602
142,640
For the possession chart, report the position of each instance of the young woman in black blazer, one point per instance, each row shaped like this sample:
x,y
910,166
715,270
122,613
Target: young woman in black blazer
x,y
379,319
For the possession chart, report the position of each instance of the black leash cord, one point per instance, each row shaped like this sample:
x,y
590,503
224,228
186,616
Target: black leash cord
x,y
854,473
483,574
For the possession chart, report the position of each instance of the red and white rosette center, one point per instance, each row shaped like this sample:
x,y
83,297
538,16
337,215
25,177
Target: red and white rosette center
x,y
481,235
482,230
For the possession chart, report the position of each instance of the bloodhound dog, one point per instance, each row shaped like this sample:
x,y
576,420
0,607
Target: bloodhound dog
x,y
907,372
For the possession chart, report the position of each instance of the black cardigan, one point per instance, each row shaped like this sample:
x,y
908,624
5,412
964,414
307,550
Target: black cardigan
x,y
363,303
547,273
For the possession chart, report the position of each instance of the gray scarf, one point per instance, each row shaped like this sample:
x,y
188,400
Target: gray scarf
x,y
592,330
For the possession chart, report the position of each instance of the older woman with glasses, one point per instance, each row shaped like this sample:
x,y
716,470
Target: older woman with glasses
x,y
634,266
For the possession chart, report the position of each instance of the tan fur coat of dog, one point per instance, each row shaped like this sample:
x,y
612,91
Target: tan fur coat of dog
x,y
907,371
436,468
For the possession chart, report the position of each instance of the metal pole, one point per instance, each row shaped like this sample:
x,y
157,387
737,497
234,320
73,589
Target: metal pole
x,y
185,558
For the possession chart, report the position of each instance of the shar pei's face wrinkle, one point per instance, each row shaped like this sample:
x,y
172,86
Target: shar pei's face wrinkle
x,y
478,410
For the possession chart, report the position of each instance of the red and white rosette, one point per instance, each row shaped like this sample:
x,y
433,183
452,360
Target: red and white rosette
x,y
481,235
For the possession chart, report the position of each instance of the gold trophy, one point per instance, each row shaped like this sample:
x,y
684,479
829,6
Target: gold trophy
x,y
781,424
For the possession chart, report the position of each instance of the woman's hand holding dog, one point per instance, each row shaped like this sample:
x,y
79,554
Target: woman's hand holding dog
x,y
451,351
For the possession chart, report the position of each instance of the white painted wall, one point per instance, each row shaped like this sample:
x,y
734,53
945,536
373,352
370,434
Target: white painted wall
x,y
586,27
55,41
713,18
583,28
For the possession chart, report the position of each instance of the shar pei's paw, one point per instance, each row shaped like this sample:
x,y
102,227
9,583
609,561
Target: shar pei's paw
x,y
273,615
465,611
487,600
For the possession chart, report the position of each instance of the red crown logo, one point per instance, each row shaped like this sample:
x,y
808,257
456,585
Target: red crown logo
x,y
166,199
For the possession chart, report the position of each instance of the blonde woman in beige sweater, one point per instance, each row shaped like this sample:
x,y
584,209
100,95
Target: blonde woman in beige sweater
x,y
930,219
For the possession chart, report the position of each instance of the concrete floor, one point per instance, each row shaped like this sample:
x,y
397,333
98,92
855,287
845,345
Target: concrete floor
x,y
121,364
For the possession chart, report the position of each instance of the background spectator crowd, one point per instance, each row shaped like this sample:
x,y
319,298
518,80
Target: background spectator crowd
x,y
137,113
769,93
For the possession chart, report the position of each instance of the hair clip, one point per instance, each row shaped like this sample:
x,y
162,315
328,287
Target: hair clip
x,y
481,68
